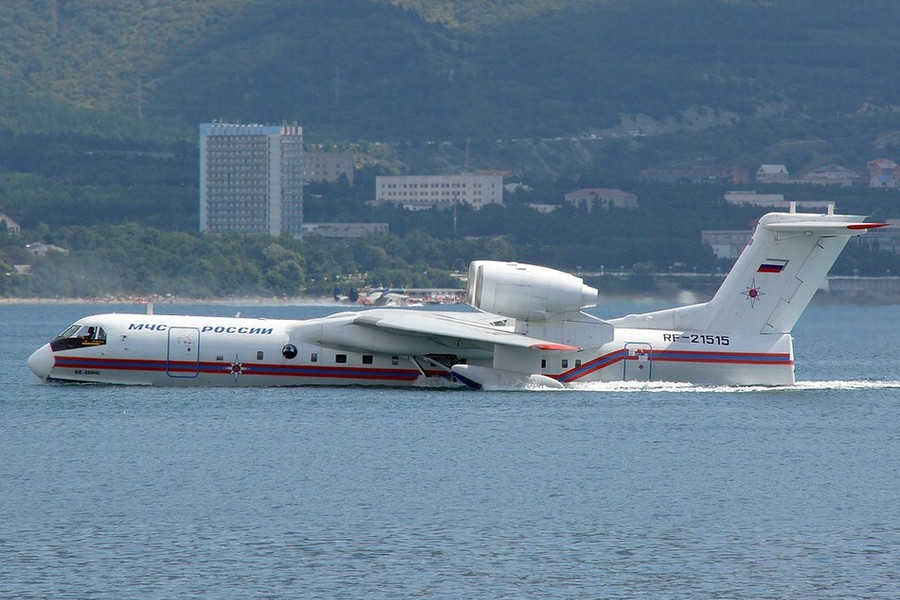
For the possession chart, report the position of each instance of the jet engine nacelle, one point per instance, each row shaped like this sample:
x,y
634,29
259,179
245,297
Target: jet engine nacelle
x,y
526,291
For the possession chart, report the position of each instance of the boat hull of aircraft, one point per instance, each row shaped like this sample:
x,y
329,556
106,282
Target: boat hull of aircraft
x,y
528,328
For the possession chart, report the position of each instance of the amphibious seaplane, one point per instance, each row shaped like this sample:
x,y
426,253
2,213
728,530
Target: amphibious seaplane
x,y
528,327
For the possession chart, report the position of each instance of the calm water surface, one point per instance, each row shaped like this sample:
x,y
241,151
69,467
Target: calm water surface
x,y
607,491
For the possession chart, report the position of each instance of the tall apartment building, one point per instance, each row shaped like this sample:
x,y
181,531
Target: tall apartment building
x,y
417,192
251,178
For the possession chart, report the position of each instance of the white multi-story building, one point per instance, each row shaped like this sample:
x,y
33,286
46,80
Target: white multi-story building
x,y
251,178
418,192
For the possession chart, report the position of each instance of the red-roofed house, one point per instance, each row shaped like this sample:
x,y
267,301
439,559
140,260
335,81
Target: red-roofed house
x,y
884,173
882,166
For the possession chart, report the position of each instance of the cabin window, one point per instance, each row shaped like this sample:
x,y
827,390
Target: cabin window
x,y
577,363
543,363
340,358
289,351
367,359
565,363
395,360
313,357
259,355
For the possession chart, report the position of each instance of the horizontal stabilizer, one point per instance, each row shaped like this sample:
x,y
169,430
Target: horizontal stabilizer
x,y
824,228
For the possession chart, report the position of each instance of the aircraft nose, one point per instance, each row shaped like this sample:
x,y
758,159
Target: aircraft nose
x,y
41,361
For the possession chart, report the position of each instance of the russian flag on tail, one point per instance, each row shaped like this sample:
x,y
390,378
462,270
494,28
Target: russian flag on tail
x,y
772,265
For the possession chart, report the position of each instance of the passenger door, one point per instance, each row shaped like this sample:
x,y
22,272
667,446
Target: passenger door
x,y
183,358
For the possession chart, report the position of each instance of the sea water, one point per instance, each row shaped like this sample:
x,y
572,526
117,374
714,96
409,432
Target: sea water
x,y
603,491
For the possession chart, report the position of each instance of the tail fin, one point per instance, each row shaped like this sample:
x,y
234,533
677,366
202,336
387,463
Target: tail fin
x,y
772,281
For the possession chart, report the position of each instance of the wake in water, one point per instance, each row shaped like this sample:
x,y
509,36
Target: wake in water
x,y
676,387
670,386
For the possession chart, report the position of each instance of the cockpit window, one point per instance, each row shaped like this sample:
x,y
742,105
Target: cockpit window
x,y
79,336
70,331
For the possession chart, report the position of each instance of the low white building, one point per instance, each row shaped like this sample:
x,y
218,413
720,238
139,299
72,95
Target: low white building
x,y
418,192
775,201
772,174
831,175
751,198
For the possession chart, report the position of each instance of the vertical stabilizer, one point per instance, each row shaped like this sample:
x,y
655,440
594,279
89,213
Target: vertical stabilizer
x,y
778,273
772,281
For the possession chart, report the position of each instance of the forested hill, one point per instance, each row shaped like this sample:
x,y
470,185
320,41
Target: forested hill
x,y
439,69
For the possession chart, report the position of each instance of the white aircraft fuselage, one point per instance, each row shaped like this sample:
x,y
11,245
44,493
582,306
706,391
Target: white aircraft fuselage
x,y
221,351
528,327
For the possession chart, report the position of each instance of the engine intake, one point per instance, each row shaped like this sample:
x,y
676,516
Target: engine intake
x,y
526,291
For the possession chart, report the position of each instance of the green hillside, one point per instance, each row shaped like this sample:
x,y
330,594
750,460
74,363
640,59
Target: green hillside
x,y
420,69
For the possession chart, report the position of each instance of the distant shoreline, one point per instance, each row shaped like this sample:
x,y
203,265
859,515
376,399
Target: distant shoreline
x,y
680,299
243,300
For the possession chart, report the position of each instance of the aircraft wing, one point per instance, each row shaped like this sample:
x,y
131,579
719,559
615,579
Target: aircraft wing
x,y
472,327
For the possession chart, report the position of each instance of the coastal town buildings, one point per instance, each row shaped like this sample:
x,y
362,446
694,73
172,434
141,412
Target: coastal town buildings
x,y
423,192
772,174
733,174
776,201
251,178
835,175
601,198
884,173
